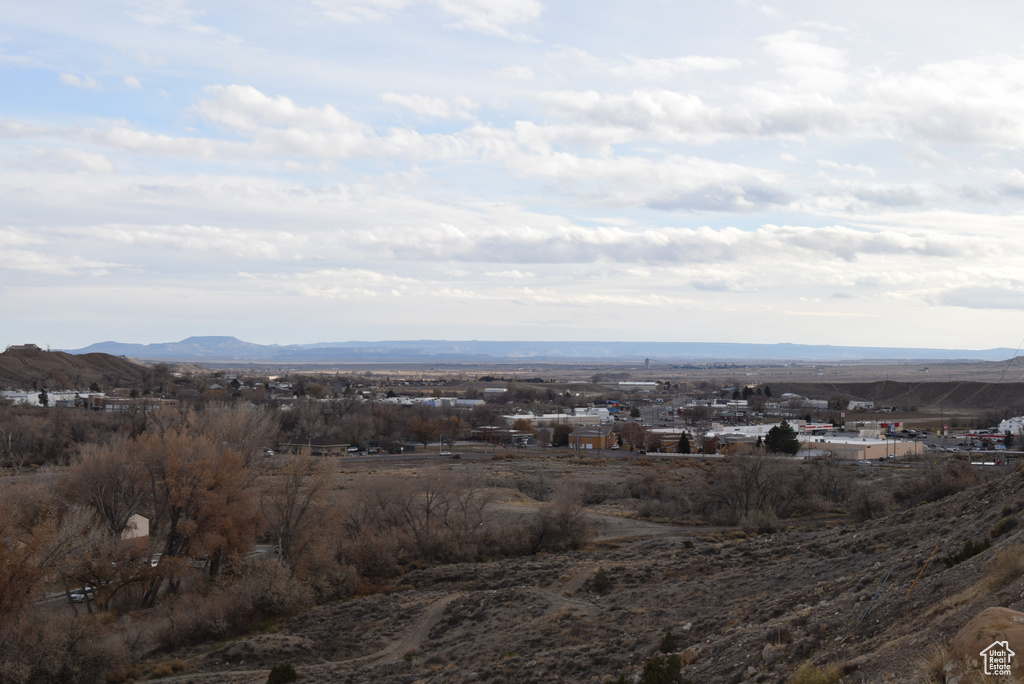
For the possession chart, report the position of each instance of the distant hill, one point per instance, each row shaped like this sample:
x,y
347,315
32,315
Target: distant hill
x,y
911,395
35,369
223,349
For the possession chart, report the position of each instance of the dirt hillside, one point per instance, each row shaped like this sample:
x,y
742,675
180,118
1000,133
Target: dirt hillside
x,y
741,608
915,395
33,369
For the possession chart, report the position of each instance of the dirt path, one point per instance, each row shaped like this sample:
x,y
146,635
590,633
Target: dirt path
x,y
578,580
613,527
390,653
412,639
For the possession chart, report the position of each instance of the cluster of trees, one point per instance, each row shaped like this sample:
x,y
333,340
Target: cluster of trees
x,y
753,487
199,478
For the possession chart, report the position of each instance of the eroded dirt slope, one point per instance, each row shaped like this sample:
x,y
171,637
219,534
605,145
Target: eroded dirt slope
x,y
749,609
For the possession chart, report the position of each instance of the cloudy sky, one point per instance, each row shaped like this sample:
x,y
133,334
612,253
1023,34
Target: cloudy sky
x,y
669,170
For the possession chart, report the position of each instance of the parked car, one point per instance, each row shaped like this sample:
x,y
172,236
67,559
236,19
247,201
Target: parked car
x,y
79,595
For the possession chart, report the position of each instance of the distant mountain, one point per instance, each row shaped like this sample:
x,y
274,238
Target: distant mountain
x,y
228,349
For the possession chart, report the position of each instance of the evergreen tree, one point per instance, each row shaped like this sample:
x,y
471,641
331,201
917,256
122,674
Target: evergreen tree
x,y
684,444
782,439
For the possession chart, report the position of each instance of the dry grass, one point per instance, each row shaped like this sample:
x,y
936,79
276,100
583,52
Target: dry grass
x,y
809,673
1006,567
930,668
957,600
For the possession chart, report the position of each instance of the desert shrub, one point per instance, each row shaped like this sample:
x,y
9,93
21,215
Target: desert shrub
x,y
329,580
1003,526
931,668
127,674
538,487
597,493
265,589
970,549
58,649
272,589
166,668
193,619
282,673
377,553
761,522
662,670
809,673
748,481
937,483
562,523
806,646
601,583
868,503
1007,566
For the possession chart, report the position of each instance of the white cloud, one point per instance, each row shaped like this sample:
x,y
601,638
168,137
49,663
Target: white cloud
x,y
235,242
86,83
248,109
516,73
13,236
652,114
483,16
663,69
162,12
962,102
53,265
438,107
356,11
805,63
176,14
491,16
860,168
133,82
89,161
645,68
674,182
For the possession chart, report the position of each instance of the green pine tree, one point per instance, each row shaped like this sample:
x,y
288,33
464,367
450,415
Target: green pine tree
x,y
782,439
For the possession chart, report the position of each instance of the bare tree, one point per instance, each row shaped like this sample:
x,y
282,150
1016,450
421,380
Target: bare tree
x,y
634,435
423,427
751,481
242,427
829,479
111,481
295,502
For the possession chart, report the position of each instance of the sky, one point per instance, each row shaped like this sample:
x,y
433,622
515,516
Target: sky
x,y
662,170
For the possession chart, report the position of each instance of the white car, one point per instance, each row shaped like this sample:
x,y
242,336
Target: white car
x,y
79,595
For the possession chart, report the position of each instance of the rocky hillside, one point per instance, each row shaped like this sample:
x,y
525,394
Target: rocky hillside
x,y
739,607
914,395
35,369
